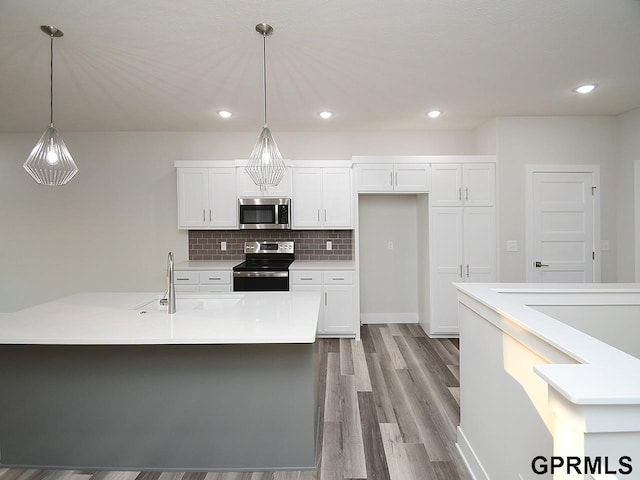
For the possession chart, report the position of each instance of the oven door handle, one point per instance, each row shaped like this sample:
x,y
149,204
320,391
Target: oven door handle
x,y
260,274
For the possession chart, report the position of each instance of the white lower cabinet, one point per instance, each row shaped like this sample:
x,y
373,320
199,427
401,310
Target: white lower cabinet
x,y
202,280
338,302
462,249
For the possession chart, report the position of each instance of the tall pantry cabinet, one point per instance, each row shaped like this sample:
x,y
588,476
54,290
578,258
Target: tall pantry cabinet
x,y
462,237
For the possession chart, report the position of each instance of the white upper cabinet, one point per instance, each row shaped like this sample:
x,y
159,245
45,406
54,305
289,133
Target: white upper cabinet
x,y
207,198
389,177
322,198
246,187
193,185
455,185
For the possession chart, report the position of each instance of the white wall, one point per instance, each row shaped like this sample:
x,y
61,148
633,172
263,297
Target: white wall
x,y
388,278
552,140
628,144
111,227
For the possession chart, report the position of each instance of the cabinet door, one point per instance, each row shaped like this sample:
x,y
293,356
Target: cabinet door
x,y
193,199
223,202
338,317
412,178
307,198
375,177
246,187
446,185
479,182
336,198
479,244
446,225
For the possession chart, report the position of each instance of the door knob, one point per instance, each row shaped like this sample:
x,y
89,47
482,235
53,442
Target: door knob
x,y
540,264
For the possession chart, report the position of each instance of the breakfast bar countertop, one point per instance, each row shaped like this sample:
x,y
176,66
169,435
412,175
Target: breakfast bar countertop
x,y
137,318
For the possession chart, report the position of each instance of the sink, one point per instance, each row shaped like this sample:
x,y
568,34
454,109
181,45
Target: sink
x,y
184,304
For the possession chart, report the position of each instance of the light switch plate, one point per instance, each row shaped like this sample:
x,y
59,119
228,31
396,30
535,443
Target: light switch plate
x,y
512,245
604,245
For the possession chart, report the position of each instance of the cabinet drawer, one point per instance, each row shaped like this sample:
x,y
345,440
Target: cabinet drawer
x,y
215,288
186,288
186,277
338,276
306,278
215,277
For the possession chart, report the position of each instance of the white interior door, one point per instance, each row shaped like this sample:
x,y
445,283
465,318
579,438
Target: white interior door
x,y
562,227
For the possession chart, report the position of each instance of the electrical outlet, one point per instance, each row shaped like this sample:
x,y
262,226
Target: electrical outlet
x,y
223,246
329,245
390,246
512,245
604,245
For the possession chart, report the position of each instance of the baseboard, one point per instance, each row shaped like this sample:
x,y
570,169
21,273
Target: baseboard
x,y
470,458
405,317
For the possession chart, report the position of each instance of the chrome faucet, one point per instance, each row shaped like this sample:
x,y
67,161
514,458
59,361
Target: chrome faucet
x,y
170,297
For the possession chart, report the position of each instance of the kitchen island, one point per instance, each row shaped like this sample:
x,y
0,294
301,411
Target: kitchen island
x,y
110,380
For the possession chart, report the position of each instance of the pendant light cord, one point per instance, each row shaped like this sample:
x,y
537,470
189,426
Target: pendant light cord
x,y
51,83
264,74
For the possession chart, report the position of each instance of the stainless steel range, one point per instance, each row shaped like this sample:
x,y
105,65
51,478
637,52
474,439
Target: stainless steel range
x,y
265,269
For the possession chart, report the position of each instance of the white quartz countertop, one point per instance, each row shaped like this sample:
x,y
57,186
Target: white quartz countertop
x,y
137,318
323,265
296,265
207,264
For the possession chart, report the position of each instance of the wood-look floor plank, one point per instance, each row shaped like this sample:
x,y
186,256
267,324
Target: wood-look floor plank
x,y
352,442
367,341
455,370
384,408
402,414
332,400
346,357
446,414
395,329
392,349
455,393
361,372
395,452
264,476
148,476
419,461
430,431
376,462
332,462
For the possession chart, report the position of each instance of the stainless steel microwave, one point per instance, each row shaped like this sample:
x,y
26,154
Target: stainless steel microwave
x,y
264,213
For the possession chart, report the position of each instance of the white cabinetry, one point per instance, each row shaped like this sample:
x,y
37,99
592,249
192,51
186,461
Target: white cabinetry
x,y
462,249
202,281
207,198
247,188
338,303
388,177
322,198
455,184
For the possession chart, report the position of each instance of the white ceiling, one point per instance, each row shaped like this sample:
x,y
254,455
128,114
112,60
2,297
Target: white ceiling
x,y
168,65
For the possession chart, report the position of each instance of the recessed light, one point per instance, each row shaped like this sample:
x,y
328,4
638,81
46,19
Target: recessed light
x,y
326,114
225,113
434,113
586,88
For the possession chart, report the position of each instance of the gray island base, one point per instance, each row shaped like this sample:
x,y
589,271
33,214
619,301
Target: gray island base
x,y
159,407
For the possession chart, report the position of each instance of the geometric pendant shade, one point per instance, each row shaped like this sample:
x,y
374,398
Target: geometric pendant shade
x,y
50,162
266,167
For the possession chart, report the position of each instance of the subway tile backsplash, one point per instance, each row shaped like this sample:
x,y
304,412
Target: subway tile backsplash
x,y
309,244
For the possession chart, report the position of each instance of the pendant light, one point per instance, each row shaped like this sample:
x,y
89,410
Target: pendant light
x,y
266,167
50,162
